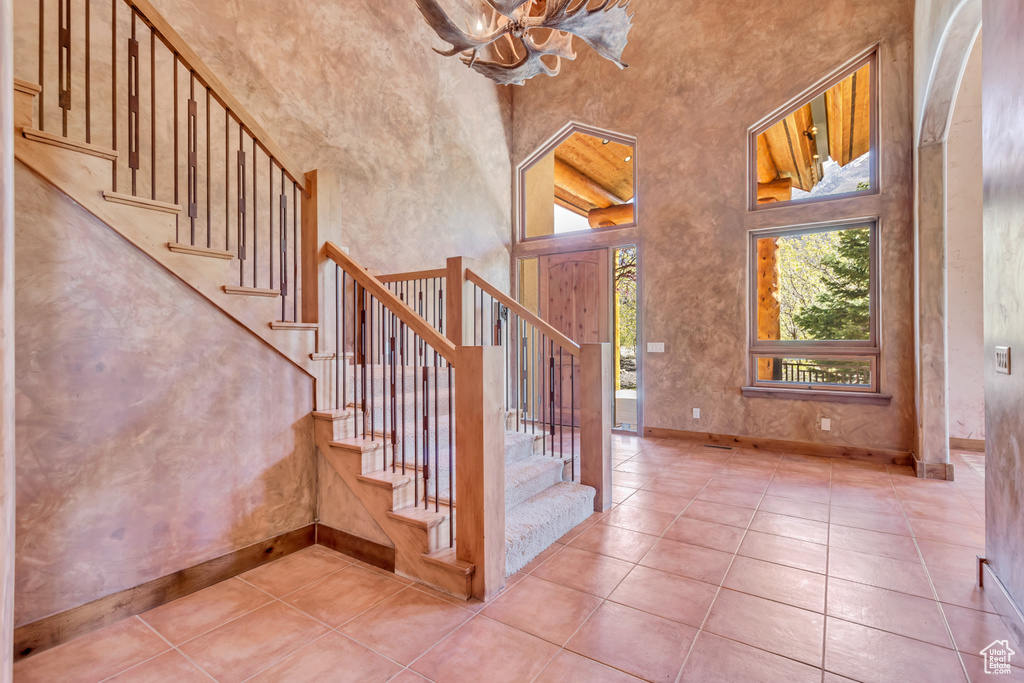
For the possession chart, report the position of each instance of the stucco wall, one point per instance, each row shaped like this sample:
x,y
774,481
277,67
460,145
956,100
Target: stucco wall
x,y
153,433
7,450
420,141
964,251
691,93
1003,91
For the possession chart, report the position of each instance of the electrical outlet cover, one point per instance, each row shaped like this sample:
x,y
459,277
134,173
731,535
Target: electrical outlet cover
x,y
656,347
826,424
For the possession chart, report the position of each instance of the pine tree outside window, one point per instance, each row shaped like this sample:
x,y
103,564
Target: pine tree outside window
x,y
814,308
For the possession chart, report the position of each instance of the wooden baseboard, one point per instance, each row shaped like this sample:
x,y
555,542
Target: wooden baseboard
x,y
974,445
51,631
933,470
354,546
1007,608
879,455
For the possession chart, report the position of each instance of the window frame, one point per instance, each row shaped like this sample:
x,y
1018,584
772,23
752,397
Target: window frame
x,y
869,349
868,58
567,131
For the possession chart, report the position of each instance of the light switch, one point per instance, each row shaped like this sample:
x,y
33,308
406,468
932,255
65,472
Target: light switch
x,y
826,424
656,347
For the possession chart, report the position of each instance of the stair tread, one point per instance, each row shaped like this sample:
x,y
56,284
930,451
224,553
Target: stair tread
x,y
448,558
356,444
417,516
533,525
385,479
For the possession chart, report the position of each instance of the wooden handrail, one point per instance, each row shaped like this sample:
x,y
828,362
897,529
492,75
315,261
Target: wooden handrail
x,y
191,60
432,337
414,275
554,335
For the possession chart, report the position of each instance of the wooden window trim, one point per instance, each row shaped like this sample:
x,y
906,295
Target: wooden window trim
x,y
869,57
869,349
567,131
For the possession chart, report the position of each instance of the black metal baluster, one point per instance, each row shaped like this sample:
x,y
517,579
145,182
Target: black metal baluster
x,y
373,383
152,109
177,234
283,202
255,216
295,251
240,193
64,61
426,438
451,463
133,106
561,405
113,82
193,157
270,216
549,349
338,318
209,176
88,71
42,62
572,412
402,342
437,450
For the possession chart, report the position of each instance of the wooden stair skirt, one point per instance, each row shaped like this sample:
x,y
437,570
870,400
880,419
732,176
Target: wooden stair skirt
x,y
421,537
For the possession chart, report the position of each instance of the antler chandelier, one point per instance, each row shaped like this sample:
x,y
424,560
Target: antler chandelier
x,y
514,23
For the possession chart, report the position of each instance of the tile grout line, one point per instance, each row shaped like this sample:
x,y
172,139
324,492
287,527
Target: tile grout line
x,y
931,584
720,588
636,564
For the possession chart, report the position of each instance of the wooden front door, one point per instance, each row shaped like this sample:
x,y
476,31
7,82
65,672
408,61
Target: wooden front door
x,y
574,294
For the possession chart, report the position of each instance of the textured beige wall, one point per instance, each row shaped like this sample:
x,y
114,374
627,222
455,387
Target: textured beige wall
x,y
153,433
691,93
7,449
420,141
1003,91
965,296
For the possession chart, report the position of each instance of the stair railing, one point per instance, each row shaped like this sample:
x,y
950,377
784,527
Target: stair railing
x,y
116,77
423,290
435,407
552,386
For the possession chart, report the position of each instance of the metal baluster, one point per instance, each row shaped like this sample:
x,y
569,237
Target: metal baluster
x,y
402,342
113,81
42,63
133,106
240,185
572,413
177,234
338,318
295,251
561,405
284,251
209,174
437,451
373,383
64,61
193,158
255,216
270,220
426,438
152,108
88,71
451,463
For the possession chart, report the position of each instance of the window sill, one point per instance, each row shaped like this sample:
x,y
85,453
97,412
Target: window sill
x,y
818,395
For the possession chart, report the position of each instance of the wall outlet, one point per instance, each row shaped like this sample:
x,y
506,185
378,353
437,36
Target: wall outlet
x,y
1003,360
696,413
826,424
656,347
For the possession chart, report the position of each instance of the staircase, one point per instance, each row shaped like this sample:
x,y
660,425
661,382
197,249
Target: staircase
x,y
416,414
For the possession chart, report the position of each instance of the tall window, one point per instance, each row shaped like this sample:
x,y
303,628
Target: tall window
x,y
814,307
823,148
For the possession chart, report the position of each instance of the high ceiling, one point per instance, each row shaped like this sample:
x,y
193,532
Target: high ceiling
x,y
593,174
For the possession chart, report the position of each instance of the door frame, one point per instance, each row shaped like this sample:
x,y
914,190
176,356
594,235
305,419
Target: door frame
x,y
587,242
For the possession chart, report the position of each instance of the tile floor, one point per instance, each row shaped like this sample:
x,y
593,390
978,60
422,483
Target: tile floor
x,y
714,565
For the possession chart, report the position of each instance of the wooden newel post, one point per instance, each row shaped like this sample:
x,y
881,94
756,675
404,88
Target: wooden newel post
x,y
458,326
596,422
480,475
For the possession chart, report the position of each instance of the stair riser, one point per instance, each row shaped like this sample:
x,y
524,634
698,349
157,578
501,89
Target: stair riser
x,y
524,490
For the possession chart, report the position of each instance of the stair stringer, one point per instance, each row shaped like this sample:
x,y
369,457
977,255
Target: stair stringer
x,y
84,178
389,500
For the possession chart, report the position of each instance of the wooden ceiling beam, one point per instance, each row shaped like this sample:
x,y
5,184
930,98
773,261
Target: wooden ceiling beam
x,y
575,183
